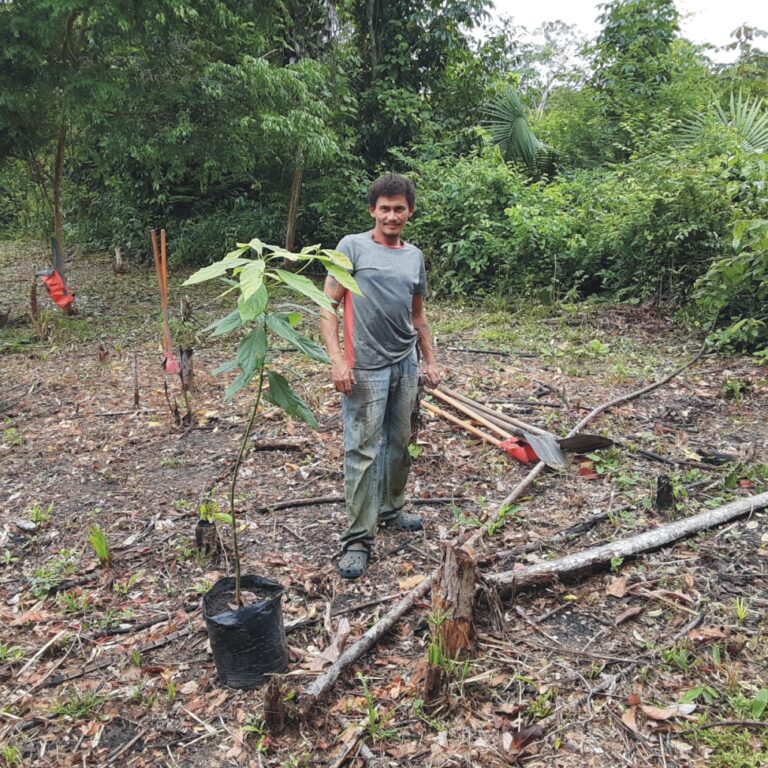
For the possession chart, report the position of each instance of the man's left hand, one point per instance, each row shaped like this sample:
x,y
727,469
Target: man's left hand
x,y
432,376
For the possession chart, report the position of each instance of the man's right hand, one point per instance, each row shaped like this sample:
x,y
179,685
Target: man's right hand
x,y
343,376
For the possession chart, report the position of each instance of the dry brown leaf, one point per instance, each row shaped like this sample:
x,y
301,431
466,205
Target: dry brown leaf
x,y
628,718
191,686
523,742
617,588
627,614
664,713
334,650
408,749
705,634
673,595
658,713
410,582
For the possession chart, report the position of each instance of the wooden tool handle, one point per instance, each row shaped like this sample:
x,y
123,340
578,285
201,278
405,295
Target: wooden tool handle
x,y
463,424
465,409
504,416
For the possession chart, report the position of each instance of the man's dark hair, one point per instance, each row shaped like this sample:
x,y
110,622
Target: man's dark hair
x,y
391,185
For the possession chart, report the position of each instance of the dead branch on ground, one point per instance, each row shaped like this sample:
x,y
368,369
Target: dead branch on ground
x,y
572,565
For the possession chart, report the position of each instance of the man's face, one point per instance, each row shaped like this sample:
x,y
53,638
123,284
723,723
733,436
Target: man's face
x,y
391,215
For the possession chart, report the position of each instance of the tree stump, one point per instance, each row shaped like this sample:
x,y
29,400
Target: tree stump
x,y
665,495
274,705
433,684
452,600
206,539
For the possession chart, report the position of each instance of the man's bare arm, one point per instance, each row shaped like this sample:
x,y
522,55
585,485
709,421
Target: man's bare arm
x,y
341,374
419,319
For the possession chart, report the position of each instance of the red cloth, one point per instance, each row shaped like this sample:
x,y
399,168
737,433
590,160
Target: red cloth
x,y
59,293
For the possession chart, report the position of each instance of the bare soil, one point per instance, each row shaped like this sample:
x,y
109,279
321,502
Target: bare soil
x,y
109,664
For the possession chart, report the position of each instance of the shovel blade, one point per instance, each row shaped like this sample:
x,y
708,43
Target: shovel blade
x,y
547,449
584,443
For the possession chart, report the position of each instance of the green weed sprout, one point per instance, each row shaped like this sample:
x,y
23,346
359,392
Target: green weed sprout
x,y
39,516
741,610
100,544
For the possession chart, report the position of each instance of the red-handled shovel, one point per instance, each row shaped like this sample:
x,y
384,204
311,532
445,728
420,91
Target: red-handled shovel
x,y
513,447
541,446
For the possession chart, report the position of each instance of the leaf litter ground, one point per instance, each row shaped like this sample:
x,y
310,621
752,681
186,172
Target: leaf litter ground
x,y
631,665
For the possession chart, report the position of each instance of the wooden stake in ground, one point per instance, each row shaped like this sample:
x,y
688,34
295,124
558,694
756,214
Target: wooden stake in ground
x,y
136,401
33,309
274,705
572,565
452,597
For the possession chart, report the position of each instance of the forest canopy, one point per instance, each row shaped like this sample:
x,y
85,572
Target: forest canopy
x,y
630,166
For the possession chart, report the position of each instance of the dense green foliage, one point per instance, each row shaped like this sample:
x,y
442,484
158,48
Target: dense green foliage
x,y
631,166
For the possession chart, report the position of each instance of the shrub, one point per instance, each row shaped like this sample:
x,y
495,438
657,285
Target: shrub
x,y
460,223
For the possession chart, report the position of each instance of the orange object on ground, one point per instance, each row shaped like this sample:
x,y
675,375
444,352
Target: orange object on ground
x,y
511,445
60,295
519,449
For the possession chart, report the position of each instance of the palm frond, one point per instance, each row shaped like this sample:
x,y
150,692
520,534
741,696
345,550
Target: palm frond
x,y
746,117
510,129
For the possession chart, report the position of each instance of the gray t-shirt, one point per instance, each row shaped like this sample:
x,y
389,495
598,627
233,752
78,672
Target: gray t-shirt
x,y
378,330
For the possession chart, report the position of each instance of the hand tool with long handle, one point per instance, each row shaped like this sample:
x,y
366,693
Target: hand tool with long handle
x,y
577,444
544,446
511,447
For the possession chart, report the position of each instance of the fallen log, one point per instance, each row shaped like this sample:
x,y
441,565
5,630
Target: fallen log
x,y
324,682
573,565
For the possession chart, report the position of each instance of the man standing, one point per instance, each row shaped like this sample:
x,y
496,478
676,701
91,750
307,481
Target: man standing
x,y
378,370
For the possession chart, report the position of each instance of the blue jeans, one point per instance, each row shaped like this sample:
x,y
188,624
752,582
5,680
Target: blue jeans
x,y
377,429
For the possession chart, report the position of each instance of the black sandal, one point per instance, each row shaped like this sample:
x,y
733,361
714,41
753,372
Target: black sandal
x,y
353,563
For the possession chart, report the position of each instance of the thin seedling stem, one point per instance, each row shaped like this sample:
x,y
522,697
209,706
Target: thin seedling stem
x,y
235,471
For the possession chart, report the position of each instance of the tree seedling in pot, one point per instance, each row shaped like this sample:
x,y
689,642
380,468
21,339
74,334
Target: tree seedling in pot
x,y
251,271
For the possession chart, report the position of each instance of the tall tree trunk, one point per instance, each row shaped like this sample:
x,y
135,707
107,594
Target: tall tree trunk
x,y
293,206
371,13
58,175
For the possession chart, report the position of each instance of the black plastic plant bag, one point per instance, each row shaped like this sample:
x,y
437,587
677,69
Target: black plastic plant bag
x,y
248,643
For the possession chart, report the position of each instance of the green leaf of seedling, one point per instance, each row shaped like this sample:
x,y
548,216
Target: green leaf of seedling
x,y
251,351
242,380
304,286
254,305
707,692
281,253
256,245
278,325
281,394
343,277
338,258
226,324
251,278
228,367
223,517
237,253
759,703
216,269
